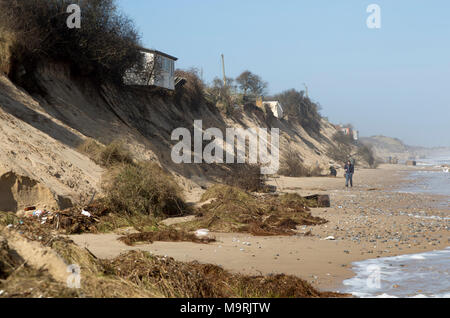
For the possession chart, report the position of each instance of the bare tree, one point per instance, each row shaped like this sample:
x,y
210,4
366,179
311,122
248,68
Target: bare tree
x,y
218,89
217,92
249,82
244,81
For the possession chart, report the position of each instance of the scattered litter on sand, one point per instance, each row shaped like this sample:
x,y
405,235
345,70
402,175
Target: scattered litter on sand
x,y
40,223
201,233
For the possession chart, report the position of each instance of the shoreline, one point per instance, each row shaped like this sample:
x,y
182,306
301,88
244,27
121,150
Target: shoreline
x,y
365,221
375,217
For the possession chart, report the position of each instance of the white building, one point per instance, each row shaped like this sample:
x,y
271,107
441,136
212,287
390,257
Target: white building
x,y
276,108
159,70
355,135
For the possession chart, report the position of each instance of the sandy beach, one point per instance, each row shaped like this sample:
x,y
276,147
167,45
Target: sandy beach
x,y
368,221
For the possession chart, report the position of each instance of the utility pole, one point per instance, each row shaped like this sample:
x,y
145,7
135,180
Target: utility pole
x,y
306,90
223,70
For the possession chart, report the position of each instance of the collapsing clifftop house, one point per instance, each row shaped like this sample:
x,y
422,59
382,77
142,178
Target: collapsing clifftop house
x,y
156,69
274,106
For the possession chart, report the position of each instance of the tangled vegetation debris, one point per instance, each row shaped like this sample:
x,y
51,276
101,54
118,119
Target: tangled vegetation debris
x,y
223,209
166,235
135,274
27,281
136,195
194,280
18,279
70,221
234,210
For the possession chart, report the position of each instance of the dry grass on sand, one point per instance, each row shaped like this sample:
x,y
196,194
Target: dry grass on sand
x,y
106,156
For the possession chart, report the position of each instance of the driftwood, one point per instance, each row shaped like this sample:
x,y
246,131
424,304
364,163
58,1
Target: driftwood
x,y
323,200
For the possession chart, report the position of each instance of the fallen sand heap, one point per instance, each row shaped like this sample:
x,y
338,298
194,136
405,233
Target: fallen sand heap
x,y
18,192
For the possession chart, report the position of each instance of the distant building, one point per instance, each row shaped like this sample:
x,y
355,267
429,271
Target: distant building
x,y
159,70
345,130
348,131
276,108
411,163
392,160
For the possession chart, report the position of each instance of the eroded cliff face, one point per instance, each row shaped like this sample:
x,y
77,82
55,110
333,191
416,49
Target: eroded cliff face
x,y
39,134
35,167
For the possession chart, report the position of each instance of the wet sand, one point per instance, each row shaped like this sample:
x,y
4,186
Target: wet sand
x,y
368,221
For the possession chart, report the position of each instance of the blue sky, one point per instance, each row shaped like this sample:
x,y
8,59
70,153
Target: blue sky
x,y
393,81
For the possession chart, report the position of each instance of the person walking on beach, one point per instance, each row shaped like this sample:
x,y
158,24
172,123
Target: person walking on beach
x,y
349,171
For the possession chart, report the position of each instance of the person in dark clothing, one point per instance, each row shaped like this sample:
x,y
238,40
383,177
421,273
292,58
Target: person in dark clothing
x,y
333,171
349,171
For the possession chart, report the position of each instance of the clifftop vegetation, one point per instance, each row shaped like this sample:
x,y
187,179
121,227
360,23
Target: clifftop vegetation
x,y
300,109
34,30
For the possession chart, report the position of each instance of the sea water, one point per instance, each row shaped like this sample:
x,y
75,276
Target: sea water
x,y
431,181
417,275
